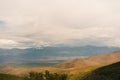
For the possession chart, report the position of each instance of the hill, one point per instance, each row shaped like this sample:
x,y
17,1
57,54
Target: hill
x,y
48,56
9,77
97,60
110,72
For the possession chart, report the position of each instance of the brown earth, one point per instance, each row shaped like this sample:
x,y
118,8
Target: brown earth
x,y
96,60
80,65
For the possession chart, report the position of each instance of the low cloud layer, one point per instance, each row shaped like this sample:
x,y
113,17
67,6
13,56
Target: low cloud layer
x,y
36,23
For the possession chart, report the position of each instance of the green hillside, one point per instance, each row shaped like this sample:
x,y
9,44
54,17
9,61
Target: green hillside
x,y
9,77
110,72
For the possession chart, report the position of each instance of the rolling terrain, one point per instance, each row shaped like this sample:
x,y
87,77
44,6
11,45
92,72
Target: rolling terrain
x,y
109,72
72,66
49,56
77,69
98,60
9,77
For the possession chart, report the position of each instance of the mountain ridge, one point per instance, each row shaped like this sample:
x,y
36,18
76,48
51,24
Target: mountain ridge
x,y
109,72
102,59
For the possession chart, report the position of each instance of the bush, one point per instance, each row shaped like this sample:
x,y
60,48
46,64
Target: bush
x,y
45,76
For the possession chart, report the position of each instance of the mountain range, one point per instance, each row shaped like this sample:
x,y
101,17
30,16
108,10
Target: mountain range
x,y
51,54
102,66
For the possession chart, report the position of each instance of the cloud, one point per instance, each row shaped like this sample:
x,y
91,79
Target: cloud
x,y
36,23
4,43
3,24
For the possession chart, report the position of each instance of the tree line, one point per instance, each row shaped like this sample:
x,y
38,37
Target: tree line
x,y
45,76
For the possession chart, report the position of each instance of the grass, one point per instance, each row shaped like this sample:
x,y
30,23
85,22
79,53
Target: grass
x,y
9,77
72,73
110,72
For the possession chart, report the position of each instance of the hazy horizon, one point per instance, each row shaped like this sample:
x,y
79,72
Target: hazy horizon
x,y
59,39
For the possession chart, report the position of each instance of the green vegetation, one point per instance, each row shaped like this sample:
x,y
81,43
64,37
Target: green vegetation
x,y
9,77
110,72
45,76
36,76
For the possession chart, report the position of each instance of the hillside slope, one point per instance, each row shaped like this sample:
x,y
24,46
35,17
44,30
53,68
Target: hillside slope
x,y
9,77
110,72
92,61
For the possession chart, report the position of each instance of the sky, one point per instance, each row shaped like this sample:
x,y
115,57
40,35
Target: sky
x,y
37,23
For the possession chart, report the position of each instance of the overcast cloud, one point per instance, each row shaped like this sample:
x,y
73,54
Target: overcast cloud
x,y
36,23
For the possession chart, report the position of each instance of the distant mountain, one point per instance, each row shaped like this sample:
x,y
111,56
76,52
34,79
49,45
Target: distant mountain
x,y
46,54
97,60
110,72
